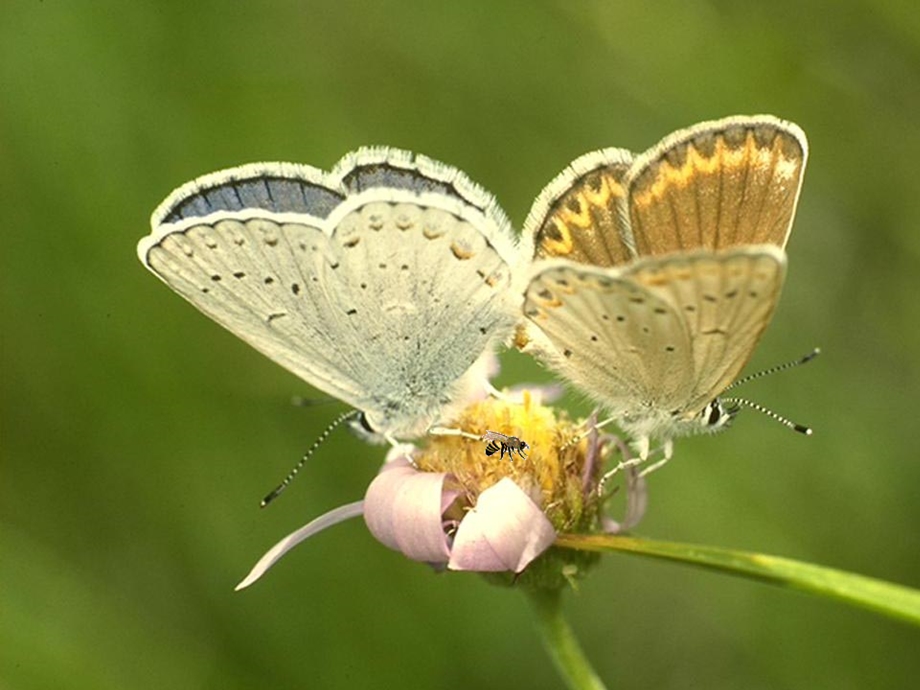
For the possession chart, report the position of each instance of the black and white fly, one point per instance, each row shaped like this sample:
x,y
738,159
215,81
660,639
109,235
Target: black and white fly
x,y
504,444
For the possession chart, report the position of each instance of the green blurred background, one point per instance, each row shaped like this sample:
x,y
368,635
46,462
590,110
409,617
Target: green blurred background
x,y
138,437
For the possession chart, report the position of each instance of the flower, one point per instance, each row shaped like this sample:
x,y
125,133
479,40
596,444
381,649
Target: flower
x,y
424,515
451,505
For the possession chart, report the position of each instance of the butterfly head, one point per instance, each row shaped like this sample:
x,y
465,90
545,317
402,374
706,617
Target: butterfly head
x,y
715,417
378,428
389,420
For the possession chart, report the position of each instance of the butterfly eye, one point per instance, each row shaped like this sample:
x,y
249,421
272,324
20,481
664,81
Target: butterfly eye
x,y
365,424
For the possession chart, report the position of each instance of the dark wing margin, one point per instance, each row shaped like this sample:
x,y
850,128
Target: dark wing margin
x,y
272,187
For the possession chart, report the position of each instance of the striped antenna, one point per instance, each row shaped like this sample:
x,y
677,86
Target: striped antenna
x,y
300,401
306,456
778,368
741,402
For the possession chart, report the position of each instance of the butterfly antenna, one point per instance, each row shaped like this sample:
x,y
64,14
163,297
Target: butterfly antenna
x,y
300,401
306,456
741,402
778,368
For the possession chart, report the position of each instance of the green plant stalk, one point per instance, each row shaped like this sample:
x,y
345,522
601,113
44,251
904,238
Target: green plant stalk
x,y
560,641
883,597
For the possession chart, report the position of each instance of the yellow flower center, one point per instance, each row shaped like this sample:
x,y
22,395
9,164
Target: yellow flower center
x,y
553,473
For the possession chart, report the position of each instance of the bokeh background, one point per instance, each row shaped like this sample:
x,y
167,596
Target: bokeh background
x,y
137,436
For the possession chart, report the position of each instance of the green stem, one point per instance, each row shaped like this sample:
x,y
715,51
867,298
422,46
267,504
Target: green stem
x,y
890,599
561,643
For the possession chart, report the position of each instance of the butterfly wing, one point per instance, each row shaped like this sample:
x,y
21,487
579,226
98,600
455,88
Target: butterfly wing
x,y
726,300
610,336
273,187
717,185
663,335
576,216
380,295
424,294
250,276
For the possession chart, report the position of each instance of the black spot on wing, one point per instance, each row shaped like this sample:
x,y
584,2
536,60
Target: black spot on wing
x,y
551,232
573,204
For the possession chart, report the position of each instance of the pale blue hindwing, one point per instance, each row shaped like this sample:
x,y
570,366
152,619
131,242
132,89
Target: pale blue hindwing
x,y
255,188
386,175
260,187
382,282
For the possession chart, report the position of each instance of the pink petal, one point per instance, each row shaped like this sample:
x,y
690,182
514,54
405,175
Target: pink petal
x,y
505,531
402,509
333,517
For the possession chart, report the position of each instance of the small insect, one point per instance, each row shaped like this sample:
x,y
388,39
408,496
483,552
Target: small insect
x,y
501,443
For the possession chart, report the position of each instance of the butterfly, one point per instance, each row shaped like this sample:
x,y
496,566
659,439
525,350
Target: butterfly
x,y
384,283
655,275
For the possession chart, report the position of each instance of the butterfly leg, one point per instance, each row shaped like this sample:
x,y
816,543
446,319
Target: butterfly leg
x,y
642,452
668,453
636,503
584,435
400,448
451,431
493,392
